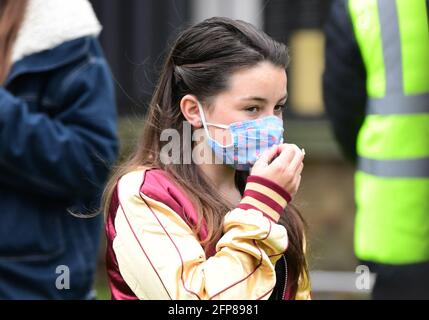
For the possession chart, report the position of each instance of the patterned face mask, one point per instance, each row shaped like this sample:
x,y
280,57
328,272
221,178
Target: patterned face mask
x,y
249,139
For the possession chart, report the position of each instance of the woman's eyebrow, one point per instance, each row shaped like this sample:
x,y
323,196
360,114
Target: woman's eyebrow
x,y
255,99
260,99
284,97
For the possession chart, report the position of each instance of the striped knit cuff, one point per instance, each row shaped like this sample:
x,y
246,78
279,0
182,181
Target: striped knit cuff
x,y
265,196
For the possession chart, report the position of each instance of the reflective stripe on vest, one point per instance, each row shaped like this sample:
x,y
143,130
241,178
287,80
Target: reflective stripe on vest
x,y
399,104
409,168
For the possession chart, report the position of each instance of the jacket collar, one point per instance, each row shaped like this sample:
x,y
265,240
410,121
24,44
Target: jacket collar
x,y
48,60
49,23
51,35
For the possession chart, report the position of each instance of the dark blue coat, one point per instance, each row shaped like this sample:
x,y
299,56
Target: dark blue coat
x,y
57,142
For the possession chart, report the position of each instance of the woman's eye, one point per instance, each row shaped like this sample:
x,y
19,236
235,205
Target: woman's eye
x,y
253,109
279,108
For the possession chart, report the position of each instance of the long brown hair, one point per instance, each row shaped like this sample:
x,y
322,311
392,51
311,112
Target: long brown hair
x,y
11,15
200,62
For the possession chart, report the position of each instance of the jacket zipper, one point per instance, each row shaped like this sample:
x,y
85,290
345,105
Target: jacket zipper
x,y
285,286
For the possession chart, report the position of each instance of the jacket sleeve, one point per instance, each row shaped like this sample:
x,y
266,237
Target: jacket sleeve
x,y
344,79
160,258
66,155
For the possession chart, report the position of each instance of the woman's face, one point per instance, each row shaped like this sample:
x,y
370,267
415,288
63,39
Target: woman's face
x,y
253,93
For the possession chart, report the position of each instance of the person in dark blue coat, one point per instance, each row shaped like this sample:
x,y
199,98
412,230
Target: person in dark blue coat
x,y
58,138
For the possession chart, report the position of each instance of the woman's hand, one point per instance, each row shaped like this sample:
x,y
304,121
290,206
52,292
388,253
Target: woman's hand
x,y
285,169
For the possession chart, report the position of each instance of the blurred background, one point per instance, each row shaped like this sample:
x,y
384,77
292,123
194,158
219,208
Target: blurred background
x,y
136,36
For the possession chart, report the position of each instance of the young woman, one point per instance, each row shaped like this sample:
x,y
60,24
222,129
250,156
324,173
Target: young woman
x,y
198,229
57,139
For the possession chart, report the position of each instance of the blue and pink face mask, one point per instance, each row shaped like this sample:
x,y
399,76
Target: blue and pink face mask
x,y
249,139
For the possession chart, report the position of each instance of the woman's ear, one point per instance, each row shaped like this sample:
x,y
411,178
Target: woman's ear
x,y
190,110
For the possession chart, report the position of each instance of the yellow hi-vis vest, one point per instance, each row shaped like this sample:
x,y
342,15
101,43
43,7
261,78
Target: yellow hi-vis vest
x,y
392,180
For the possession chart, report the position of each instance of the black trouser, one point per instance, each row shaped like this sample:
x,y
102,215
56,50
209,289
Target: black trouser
x,y
409,281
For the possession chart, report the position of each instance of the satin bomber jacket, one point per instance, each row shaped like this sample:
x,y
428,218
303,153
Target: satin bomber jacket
x,y
152,252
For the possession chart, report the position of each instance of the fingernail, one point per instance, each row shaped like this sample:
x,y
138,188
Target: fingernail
x,y
303,151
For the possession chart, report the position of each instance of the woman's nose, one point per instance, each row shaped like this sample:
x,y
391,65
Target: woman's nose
x,y
269,113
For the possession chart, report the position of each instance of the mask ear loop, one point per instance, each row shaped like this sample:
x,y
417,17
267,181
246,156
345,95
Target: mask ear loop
x,y
221,126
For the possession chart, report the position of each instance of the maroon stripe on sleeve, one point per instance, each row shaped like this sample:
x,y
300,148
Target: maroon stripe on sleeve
x,y
272,185
265,199
246,206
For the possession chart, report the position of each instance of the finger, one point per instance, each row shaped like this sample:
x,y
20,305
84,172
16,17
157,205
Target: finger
x,y
286,155
296,184
296,161
284,146
301,167
267,155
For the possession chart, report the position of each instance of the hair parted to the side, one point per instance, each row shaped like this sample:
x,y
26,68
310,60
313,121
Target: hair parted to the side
x,y
200,63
